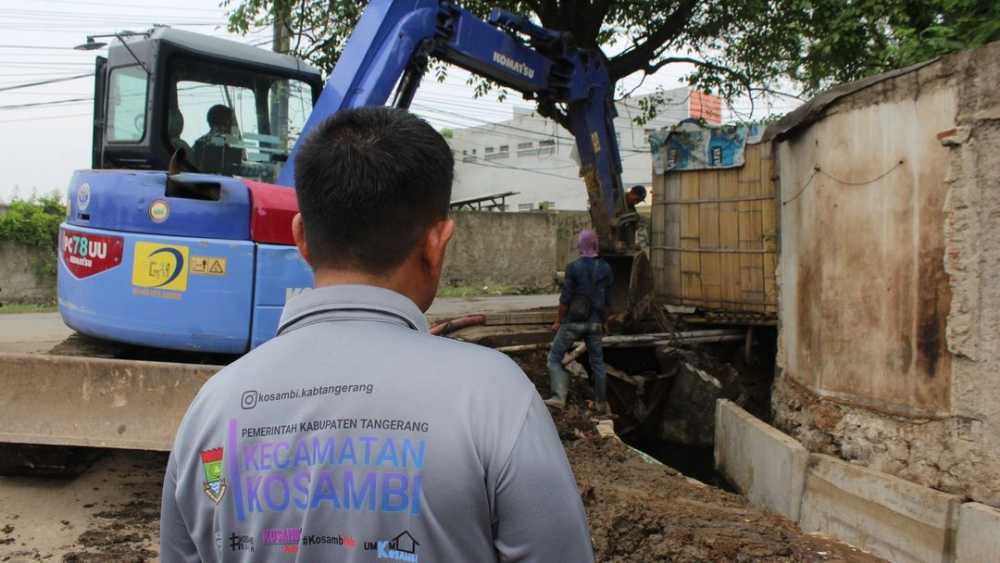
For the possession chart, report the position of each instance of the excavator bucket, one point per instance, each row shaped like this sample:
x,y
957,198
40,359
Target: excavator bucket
x,y
633,289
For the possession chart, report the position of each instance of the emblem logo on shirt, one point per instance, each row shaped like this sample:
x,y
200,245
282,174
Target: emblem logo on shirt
x,y
215,484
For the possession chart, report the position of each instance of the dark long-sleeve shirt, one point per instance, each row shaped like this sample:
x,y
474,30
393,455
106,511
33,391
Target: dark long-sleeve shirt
x,y
596,286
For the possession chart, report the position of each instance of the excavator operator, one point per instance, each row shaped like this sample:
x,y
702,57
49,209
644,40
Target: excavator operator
x,y
213,151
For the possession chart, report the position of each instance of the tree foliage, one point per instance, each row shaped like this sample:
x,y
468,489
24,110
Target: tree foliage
x,y
35,222
736,46
846,40
644,35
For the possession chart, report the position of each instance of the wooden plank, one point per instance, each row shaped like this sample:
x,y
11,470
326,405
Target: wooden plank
x,y
672,238
711,279
690,236
729,269
709,212
750,171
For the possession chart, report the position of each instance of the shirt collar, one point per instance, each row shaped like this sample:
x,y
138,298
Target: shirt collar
x,y
338,301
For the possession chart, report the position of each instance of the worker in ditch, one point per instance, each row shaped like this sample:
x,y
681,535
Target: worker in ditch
x,y
583,314
634,197
355,434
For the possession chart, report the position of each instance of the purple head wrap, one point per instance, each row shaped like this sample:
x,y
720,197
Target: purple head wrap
x,y
586,245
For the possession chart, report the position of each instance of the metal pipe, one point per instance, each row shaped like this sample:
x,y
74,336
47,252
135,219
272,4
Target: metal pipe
x,y
446,327
638,341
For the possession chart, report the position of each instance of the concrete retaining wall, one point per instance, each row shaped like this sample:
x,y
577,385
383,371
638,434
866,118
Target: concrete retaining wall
x,y
885,515
877,512
21,274
764,464
978,534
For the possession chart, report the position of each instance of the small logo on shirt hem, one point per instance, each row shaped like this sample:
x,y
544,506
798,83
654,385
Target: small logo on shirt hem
x,y
400,548
241,543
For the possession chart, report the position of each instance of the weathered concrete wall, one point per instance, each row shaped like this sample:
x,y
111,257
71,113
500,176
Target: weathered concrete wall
x,y
568,227
978,534
879,513
764,464
514,249
20,278
889,352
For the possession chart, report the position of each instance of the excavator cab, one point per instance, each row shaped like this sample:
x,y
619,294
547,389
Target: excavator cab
x,y
212,105
178,237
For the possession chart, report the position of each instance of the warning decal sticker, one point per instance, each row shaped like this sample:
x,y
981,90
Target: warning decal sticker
x,y
208,265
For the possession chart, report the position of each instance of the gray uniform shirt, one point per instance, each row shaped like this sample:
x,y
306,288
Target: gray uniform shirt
x,y
355,435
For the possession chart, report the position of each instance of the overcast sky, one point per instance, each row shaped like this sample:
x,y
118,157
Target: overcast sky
x,y
41,145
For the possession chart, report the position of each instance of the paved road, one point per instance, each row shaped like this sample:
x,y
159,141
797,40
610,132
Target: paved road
x,y
31,332
39,332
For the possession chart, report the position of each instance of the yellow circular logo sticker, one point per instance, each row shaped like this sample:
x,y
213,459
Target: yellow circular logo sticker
x,y
159,211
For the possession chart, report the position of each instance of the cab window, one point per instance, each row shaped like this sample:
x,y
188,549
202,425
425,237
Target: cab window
x,y
236,122
127,104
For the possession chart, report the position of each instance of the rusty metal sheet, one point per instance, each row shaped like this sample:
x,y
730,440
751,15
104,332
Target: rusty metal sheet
x,y
62,400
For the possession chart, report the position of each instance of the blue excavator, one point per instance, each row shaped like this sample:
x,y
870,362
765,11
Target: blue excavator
x,y
179,236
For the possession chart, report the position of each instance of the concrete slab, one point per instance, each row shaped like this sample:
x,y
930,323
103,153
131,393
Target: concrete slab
x,y
978,534
68,401
882,514
764,464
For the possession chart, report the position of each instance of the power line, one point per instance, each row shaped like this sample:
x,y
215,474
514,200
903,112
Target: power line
x,y
37,47
53,81
119,4
45,118
505,126
48,103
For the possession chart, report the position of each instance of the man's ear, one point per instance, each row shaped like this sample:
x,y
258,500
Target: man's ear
x,y
299,236
435,244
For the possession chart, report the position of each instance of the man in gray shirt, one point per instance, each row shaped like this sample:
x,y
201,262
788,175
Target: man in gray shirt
x,y
355,435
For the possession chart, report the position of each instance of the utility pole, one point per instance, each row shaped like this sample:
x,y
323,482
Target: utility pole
x,y
280,90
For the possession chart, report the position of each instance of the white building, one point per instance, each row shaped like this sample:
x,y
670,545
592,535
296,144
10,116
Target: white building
x,y
536,157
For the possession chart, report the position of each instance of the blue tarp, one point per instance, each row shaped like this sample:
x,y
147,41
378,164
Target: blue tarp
x,y
691,145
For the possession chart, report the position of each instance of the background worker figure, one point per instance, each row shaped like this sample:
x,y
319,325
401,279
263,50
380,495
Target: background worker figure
x,y
634,197
583,314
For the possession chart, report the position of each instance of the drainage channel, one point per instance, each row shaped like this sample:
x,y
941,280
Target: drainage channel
x,y
666,398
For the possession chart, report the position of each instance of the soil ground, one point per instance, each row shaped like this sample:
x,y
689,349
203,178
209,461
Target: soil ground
x,y
641,511
638,511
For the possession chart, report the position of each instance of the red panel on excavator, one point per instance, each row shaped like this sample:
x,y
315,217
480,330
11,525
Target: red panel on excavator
x,y
272,210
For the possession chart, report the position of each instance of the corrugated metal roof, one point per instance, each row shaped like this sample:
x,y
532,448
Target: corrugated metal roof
x,y
812,111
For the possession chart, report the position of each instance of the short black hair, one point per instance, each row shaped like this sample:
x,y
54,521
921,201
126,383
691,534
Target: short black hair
x,y
370,182
220,115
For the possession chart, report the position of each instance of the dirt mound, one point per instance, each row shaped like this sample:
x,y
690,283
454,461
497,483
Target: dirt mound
x,y
640,511
644,512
